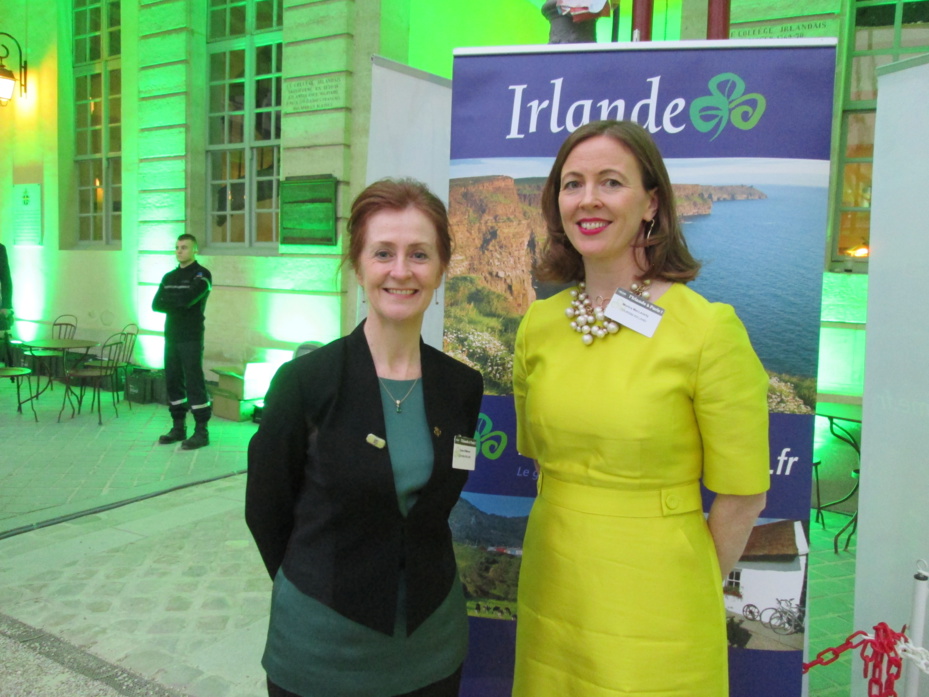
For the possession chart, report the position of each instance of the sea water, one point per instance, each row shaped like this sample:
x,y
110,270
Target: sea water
x,y
765,258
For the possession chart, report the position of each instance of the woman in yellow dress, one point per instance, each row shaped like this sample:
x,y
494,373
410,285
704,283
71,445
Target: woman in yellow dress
x,y
626,412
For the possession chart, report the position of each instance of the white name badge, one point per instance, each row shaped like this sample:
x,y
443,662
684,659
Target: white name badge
x,y
629,310
464,456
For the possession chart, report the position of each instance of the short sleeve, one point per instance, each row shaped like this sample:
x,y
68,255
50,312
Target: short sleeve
x,y
523,441
731,405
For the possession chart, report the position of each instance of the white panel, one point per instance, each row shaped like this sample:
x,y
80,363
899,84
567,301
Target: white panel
x,y
894,515
410,136
27,215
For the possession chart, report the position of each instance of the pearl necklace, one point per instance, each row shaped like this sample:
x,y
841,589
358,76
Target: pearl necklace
x,y
589,320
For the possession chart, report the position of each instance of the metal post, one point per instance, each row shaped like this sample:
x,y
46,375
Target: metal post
x,y
642,11
717,19
916,628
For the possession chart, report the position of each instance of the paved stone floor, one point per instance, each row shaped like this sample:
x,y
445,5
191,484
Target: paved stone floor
x,y
167,596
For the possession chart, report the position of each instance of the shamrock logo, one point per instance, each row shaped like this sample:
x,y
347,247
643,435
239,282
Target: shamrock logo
x,y
727,103
491,443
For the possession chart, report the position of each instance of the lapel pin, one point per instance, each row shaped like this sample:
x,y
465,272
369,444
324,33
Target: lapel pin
x,y
437,431
375,441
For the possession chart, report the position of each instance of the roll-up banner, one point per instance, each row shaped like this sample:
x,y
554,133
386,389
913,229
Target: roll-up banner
x,y
744,127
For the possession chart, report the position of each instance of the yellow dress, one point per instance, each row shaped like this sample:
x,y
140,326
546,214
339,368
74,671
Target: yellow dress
x,y
619,590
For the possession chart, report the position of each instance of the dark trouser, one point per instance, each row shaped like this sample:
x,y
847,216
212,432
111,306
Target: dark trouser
x,y
184,381
446,687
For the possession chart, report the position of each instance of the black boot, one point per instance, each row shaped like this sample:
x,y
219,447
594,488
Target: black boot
x,y
200,438
178,432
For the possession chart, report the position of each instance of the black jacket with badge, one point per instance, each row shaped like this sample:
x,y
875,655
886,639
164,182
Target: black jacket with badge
x,y
321,501
182,295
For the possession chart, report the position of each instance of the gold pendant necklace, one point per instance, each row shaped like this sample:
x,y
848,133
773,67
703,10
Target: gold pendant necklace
x,y
396,401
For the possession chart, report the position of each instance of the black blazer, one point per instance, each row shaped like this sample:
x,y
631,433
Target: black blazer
x,y
320,499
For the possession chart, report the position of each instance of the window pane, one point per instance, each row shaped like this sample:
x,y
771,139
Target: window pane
x,y
860,134
237,20
115,47
115,114
96,86
217,24
82,143
264,60
217,130
217,98
86,201
116,174
116,82
856,185
93,20
915,29
96,141
266,225
113,14
93,48
85,229
864,77
875,15
264,93
236,228
874,38
219,202
217,67
236,131
236,100
264,14
116,144
96,114
80,23
854,230
82,116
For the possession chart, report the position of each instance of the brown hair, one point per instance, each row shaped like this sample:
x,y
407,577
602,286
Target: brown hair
x,y
666,250
397,195
188,236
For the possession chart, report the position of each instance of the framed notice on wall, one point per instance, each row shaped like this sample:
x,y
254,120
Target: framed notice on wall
x,y
27,218
308,210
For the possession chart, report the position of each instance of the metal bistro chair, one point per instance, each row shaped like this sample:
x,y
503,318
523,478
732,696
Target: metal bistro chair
x,y
16,374
129,335
64,327
109,357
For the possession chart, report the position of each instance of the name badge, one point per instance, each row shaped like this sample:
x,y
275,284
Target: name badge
x,y
629,310
464,455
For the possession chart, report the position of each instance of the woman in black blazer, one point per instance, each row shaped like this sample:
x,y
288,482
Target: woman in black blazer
x,y
354,470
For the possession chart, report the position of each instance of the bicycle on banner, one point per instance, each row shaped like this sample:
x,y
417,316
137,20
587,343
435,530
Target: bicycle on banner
x,y
787,618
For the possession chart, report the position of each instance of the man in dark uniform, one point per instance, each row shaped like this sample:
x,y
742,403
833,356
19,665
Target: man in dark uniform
x,y
6,287
6,307
182,297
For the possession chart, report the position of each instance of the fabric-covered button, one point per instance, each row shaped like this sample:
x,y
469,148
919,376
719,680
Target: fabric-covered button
x,y
672,501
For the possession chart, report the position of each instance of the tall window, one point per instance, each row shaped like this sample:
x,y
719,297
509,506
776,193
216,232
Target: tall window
x,y
243,146
98,117
882,32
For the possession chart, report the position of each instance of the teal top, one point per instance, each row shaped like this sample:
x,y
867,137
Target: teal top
x,y
313,651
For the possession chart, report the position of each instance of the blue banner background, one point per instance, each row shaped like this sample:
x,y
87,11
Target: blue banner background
x,y
778,263
793,81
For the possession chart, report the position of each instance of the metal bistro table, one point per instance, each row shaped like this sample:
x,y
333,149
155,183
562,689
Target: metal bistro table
x,y
62,345
851,413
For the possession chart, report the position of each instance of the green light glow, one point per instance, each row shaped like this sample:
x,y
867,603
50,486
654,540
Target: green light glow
x,y
29,270
293,318
438,27
150,351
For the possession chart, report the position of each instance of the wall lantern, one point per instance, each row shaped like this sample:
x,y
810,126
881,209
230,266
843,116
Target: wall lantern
x,y
8,79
